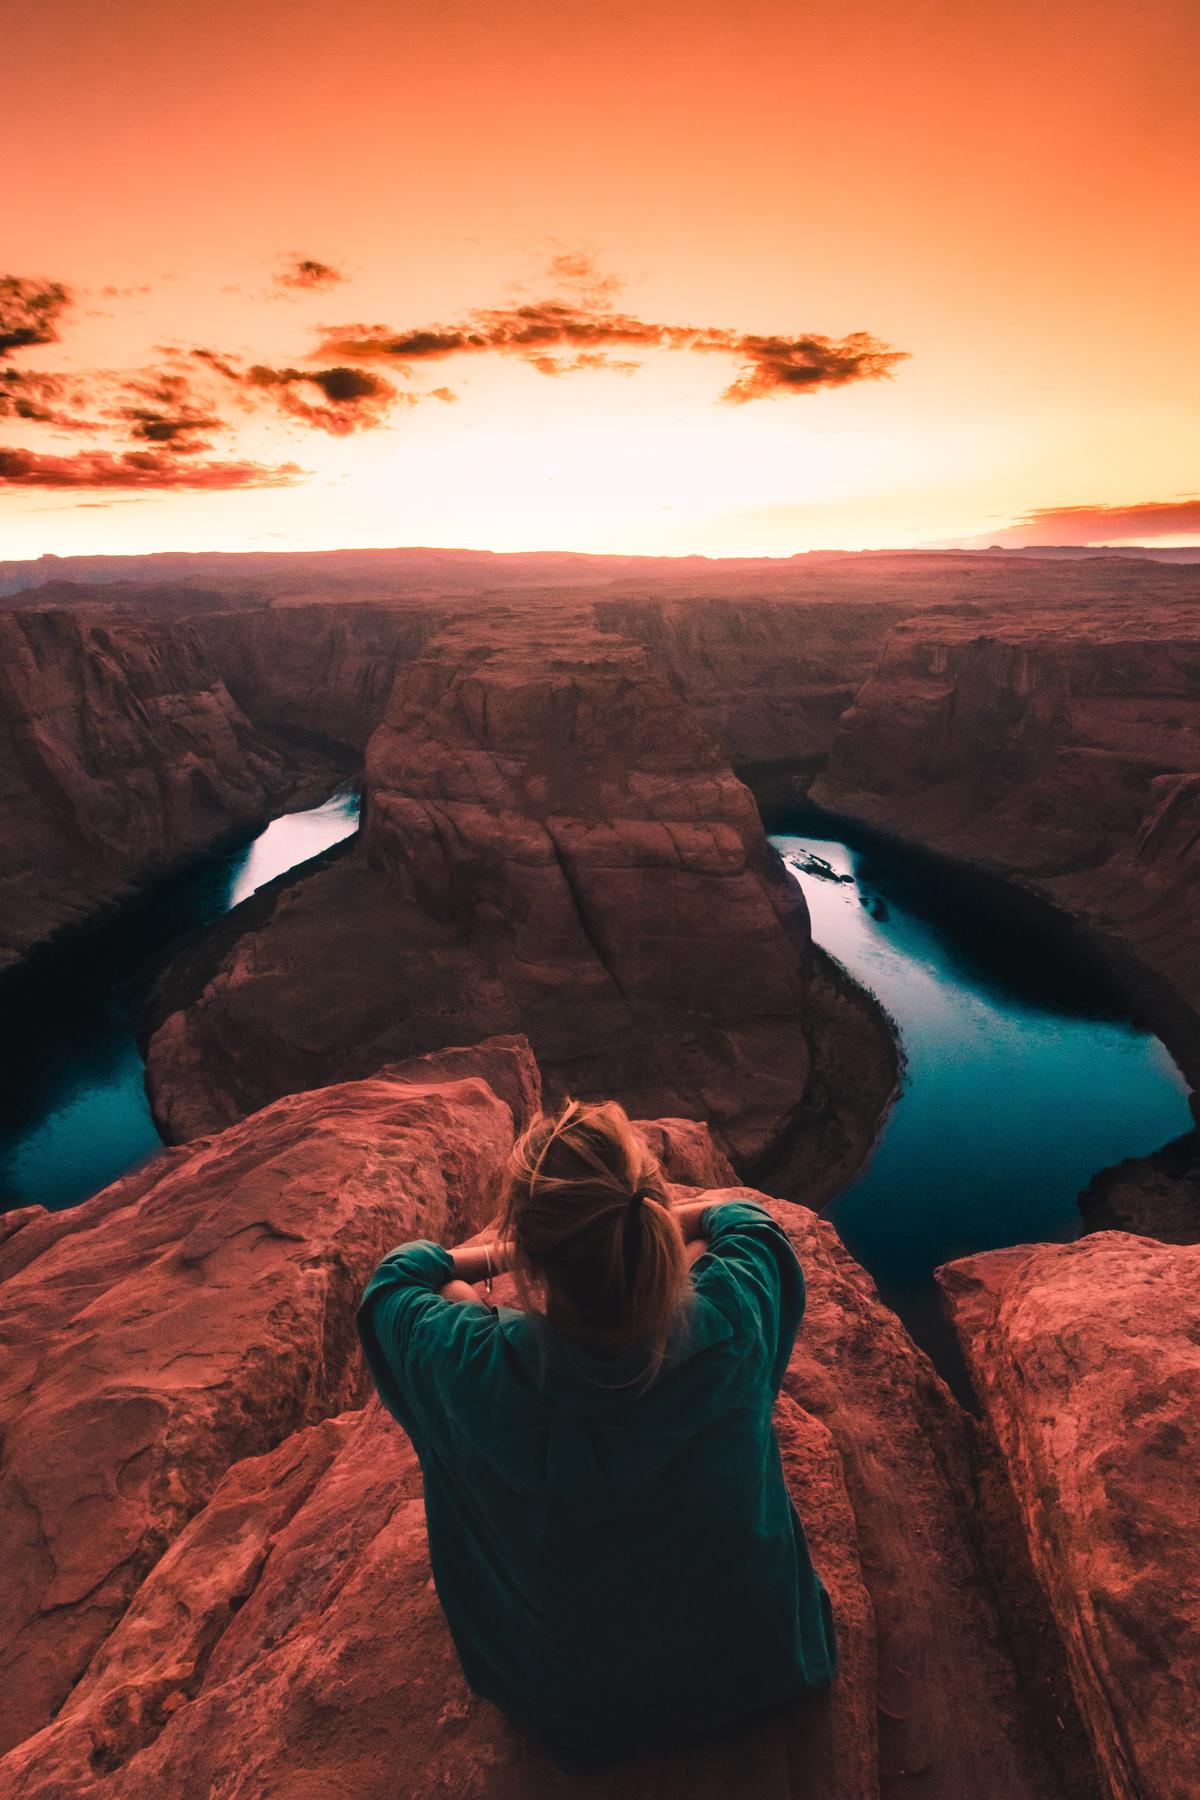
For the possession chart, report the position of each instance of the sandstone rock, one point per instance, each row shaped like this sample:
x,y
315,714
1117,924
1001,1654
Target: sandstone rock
x,y
287,1642
1057,746
194,1314
1149,891
318,673
1158,1195
121,756
768,677
551,845
1029,745
290,1643
1085,1359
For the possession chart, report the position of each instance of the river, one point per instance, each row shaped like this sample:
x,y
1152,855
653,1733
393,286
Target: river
x,y
73,1110
1026,1070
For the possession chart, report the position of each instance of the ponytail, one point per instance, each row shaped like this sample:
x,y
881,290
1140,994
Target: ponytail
x,y
587,1209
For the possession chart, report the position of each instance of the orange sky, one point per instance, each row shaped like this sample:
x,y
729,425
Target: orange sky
x,y
709,199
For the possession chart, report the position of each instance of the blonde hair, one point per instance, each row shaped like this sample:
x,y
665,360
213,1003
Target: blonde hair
x,y
587,1210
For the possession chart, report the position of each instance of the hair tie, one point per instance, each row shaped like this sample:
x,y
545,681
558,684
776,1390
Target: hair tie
x,y
631,1238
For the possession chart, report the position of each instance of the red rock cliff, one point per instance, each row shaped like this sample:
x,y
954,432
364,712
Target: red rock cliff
x,y
223,1584
553,845
1085,1357
122,754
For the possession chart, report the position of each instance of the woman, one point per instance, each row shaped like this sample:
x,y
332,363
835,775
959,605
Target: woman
x,y
610,1533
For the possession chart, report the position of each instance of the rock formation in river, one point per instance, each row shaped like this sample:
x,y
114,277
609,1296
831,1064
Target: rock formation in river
x,y
223,1585
552,844
1086,1357
121,756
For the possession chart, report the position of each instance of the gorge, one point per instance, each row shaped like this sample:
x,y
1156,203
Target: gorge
x,y
561,879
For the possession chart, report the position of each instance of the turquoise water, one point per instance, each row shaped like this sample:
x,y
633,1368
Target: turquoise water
x,y
73,1111
1026,1071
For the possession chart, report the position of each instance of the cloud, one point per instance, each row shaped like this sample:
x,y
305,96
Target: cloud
x,y
1100,524
345,399
29,312
776,365
154,427
562,336
576,271
304,274
41,399
144,469
161,409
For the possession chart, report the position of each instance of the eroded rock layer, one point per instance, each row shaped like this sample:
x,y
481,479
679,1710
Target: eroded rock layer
x,y
197,1312
227,1585
552,844
1062,749
1086,1358
122,755
317,674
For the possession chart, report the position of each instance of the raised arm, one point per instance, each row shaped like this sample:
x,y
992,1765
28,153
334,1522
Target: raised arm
x,y
474,1261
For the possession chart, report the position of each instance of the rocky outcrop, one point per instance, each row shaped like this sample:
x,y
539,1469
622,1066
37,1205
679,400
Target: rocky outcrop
x,y
1030,748
122,755
319,675
1157,1194
768,677
1085,1359
1148,893
552,844
199,1312
1060,750
229,1586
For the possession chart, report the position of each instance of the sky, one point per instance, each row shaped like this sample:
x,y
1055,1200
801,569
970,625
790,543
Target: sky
x,y
667,278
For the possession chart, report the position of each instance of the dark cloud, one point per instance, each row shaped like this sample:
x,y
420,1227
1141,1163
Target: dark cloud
x,y
305,274
164,418
144,469
540,332
1101,524
41,399
162,409
29,312
350,399
775,365
338,400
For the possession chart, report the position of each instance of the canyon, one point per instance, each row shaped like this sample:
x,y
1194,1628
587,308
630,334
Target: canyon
x,y
122,756
563,884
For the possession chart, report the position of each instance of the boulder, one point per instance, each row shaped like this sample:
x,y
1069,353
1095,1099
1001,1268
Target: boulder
x,y
244,1604
1086,1361
196,1313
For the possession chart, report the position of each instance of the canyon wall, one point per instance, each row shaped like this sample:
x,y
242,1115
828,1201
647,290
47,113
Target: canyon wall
x,y
552,844
223,1584
1063,751
768,678
317,674
122,755
1085,1358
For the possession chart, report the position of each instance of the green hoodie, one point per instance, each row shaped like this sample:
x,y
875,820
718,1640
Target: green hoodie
x,y
620,1565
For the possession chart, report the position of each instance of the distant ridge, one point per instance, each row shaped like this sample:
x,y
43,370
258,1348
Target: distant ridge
x,y
468,570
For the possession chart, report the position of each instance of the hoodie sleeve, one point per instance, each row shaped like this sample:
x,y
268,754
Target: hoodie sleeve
x,y
750,1259
407,1330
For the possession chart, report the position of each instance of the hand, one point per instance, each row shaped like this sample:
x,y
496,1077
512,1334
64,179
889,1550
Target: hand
x,y
689,1216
